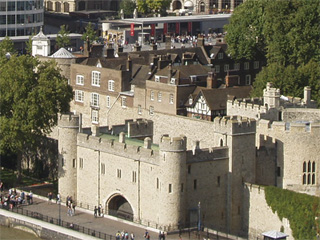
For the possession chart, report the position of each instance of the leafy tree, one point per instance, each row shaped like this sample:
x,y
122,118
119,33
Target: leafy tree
x,y
128,7
29,45
89,33
287,33
63,39
6,46
30,100
142,6
147,6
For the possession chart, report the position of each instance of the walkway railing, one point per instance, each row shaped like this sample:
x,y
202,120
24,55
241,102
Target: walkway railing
x,y
64,224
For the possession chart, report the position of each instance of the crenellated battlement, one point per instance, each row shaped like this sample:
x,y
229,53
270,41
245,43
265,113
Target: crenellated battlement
x,y
208,154
173,144
69,120
113,146
295,128
246,107
234,125
140,127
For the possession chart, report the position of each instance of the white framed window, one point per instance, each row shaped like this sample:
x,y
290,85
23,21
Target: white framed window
x,y
139,110
236,66
159,96
248,79
256,64
151,110
111,85
79,96
108,101
152,95
190,101
124,102
157,78
95,99
79,80
246,66
220,55
217,68
171,99
95,116
95,78
226,67
172,81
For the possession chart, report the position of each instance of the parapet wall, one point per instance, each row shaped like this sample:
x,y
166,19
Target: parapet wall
x,y
286,127
69,121
140,127
248,108
301,114
234,125
173,144
211,154
116,148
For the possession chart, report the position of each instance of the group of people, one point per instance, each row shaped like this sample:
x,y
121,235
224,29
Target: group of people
x,y
124,235
71,205
13,199
98,211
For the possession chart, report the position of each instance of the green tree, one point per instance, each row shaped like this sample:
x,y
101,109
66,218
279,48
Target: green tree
x,y
30,100
287,33
158,6
142,6
29,45
6,46
128,7
63,39
89,33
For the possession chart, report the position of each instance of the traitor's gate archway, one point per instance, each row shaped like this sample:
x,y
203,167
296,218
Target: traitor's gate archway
x,y
118,206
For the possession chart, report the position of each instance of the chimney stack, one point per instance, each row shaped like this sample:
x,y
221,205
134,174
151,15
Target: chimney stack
x,y
110,50
307,95
212,80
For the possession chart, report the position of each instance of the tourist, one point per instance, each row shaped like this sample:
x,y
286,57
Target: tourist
x,y
132,236
118,235
31,197
95,211
50,195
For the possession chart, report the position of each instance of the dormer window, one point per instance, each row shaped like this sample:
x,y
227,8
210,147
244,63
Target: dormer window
x,y
190,101
220,55
99,65
193,78
157,78
172,81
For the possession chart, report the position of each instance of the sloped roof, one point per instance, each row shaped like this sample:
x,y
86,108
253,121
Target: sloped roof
x,y
40,36
62,53
185,71
216,98
275,234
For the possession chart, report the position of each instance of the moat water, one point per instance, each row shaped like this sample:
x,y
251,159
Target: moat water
x,y
11,233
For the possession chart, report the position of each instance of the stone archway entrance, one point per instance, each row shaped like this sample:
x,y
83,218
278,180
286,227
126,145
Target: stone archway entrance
x,y
119,207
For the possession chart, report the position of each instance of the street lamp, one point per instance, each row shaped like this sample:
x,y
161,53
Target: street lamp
x,y
199,216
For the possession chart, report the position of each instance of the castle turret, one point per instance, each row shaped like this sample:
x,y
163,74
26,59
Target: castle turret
x,y
68,126
173,177
271,96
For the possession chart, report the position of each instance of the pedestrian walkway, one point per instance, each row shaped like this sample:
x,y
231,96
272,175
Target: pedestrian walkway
x,y
107,224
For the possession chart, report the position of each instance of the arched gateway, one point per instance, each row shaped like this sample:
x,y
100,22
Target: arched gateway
x,y
119,207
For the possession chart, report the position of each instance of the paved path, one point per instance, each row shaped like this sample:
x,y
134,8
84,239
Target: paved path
x,y
107,224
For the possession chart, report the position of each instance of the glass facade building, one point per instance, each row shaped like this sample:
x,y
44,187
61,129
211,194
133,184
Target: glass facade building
x,y
20,17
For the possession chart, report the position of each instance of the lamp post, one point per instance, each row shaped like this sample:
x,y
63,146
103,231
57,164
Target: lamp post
x,y
199,216
59,202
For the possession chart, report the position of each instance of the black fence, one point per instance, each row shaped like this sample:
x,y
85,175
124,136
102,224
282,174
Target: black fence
x,y
61,223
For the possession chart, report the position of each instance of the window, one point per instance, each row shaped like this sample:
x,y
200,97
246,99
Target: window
x,y
79,80
226,67
220,55
172,81
139,109
124,102
95,99
190,101
157,79
248,79
171,99
181,187
152,95
236,66
309,173
256,64
189,169
246,66
278,171
158,183
81,163
119,173
217,68
108,101
95,78
79,96
170,188
195,184
218,181
103,168
159,96
74,163
95,116
134,176
111,85
151,110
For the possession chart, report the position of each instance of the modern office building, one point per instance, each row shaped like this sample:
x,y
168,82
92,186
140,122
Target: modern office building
x,y
20,17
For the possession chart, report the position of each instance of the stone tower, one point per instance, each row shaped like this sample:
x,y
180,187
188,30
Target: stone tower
x,y
239,135
68,127
173,171
271,96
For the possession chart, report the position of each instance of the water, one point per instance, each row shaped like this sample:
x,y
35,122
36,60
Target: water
x,y
11,233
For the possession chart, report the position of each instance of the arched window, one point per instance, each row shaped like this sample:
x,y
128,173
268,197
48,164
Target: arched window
x,y
309,166
309,179
221,143
313,179
304,181
304,167
202,7
313,167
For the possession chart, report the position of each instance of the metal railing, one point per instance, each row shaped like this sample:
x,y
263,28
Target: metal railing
x,y
64,224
